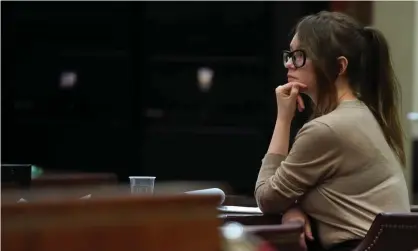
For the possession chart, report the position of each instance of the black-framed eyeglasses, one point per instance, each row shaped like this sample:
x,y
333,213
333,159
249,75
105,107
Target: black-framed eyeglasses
x,y
298,58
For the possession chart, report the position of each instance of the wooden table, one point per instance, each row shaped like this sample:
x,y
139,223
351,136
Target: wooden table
x,y
251,219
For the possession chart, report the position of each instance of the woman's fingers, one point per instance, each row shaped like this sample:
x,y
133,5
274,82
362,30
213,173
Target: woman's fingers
x,y
288,100
301,104
302,242
292,90
289,88
308,230
299,85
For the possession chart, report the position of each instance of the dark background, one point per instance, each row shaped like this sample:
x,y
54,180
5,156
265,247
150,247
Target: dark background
x,y
136,108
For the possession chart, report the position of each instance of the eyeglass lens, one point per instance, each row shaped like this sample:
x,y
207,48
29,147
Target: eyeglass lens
x,y
298,58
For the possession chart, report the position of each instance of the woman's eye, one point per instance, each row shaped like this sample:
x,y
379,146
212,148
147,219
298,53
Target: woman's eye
x,y
298,54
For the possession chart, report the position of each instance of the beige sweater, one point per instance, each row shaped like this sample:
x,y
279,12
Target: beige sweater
x,y
342,172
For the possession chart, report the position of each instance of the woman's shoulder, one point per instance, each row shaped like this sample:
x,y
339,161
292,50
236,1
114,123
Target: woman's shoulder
x,y
317,130
344,119
333,127
348,127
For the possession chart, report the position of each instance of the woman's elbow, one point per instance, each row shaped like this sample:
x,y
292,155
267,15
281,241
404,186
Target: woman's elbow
x,y
267,203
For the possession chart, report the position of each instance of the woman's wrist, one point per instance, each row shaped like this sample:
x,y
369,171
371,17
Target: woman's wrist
x,y
283,122
280,140
283,118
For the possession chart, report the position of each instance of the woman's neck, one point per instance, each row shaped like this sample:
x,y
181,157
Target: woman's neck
x,y
344,90
345,94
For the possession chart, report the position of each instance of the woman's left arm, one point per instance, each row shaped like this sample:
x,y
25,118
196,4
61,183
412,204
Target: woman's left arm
x,y
283,179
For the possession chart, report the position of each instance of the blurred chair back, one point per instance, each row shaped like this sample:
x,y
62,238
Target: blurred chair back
x,y
392,231
252,219
286,237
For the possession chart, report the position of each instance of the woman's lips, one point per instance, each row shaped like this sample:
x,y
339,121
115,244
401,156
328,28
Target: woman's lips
x,y
291,79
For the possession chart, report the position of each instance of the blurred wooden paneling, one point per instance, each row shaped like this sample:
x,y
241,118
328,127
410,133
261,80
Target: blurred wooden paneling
x,y
73,179
176,223
361,10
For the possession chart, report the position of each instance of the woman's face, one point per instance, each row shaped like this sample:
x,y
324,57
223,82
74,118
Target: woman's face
x,y
300,67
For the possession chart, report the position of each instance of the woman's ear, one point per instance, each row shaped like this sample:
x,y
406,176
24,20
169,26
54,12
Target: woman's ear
x,y
343,63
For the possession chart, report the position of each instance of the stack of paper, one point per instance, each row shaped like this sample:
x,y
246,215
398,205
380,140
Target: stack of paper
x,y
241,210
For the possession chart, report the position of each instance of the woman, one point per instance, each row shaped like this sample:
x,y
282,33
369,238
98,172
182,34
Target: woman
x,y
345,164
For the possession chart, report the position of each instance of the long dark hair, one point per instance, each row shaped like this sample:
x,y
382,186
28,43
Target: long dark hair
x,y
328,35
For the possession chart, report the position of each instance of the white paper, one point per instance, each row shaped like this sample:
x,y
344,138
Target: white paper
x,y
244,210
86,197
210,191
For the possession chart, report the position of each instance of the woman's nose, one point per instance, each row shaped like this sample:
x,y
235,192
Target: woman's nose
x,y
289,64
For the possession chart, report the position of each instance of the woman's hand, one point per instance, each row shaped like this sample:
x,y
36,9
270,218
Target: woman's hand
x,y
288,97
297,215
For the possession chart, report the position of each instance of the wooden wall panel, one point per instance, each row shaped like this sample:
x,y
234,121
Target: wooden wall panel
x,y
361,10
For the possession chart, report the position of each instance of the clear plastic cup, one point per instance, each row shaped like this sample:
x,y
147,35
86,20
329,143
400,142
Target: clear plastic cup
x,y
142,184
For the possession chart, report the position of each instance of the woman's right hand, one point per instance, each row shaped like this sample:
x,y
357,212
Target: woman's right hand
x,y
295,214
288,98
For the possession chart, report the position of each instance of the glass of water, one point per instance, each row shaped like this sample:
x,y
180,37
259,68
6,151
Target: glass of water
x,y
142,184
